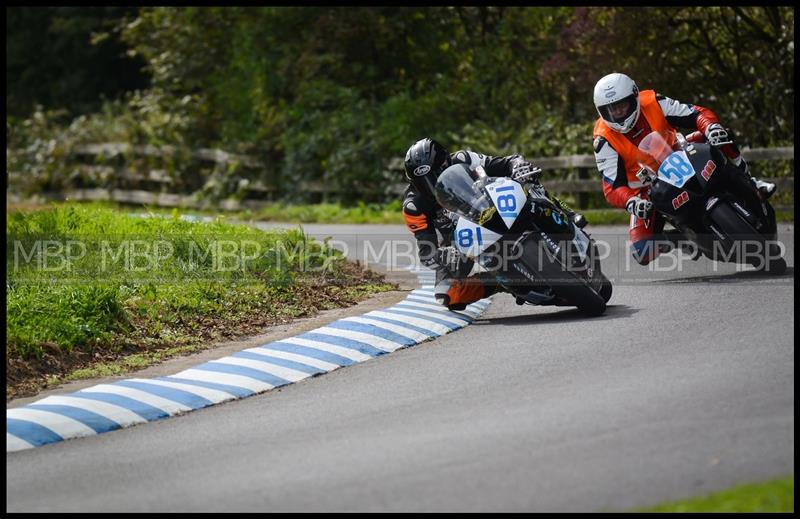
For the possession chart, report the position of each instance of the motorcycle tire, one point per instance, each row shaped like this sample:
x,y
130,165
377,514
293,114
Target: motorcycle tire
x,y
564,284
736,228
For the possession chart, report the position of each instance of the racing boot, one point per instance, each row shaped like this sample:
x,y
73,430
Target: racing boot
x,y
675,239
765,189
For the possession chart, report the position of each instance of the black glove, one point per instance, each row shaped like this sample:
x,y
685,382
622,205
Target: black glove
x,y
449,258
524,171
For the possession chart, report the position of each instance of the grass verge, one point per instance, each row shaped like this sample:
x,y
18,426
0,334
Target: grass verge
x,y
390,213
776,495
94,291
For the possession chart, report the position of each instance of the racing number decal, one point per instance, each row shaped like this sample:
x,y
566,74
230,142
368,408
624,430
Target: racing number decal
x,y
506,204
472,239
465,237
508,197
677,169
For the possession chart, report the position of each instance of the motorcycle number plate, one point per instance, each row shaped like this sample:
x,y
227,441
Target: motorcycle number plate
x,y
508,197
472,239
676,169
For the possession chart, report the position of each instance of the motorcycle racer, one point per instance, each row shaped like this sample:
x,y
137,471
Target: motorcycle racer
x,y
433,226
626,116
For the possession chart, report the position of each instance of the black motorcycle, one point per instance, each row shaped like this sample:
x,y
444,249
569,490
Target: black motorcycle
x,y
522,240
710,201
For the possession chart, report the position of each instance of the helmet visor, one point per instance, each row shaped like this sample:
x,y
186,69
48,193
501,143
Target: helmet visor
x,y
619,111
460,189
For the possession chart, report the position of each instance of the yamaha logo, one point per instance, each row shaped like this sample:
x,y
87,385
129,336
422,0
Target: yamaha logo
x,y
422,170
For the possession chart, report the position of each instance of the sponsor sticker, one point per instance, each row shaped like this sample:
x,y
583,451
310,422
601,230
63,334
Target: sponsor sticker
x,y
680,200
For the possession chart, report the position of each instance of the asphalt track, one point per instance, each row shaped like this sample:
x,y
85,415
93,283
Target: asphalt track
x,y
684,386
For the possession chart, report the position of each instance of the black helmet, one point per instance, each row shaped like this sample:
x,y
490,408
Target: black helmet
x,y
425,160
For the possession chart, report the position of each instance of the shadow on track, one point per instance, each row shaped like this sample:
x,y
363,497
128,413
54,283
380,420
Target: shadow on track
x,y
565,315
736,277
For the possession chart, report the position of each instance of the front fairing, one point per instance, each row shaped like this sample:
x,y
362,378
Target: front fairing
x,y
493,203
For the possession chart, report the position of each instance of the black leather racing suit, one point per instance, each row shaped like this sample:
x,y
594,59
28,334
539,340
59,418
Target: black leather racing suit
x,y
433,228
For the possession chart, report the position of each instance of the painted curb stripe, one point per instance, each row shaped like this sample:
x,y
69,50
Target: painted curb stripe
x,y
427,316
336,340
169,407
422,325
294,366
106,407
350,354
147,412
15,443
242,371
410,334
190,400
216,377
88,418
63,426
303,350
371,329
264,366
237,391
120,415
33,433
373,340
292,357
212,395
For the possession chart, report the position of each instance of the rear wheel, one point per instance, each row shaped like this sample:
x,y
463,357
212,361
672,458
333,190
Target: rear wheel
x,y
742,238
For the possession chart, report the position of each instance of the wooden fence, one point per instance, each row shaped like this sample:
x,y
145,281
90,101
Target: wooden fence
x,y
109,165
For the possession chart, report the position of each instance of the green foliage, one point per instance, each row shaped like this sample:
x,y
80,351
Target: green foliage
x,y
69,316
66,57
335,95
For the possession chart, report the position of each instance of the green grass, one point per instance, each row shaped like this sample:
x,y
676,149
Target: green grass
x,y
86,282
389,213
330,213
771,496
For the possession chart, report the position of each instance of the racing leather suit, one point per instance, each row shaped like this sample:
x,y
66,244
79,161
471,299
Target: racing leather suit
x,y
615,154
433,227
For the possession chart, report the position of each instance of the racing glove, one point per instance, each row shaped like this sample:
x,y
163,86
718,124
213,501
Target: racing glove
x,y
524,171
449,258
639,207
717,135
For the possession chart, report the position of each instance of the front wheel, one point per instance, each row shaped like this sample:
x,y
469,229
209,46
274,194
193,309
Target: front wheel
x,y
605,288
565,284
739,236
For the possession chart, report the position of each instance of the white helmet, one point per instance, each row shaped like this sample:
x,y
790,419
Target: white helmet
x,y
612,89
